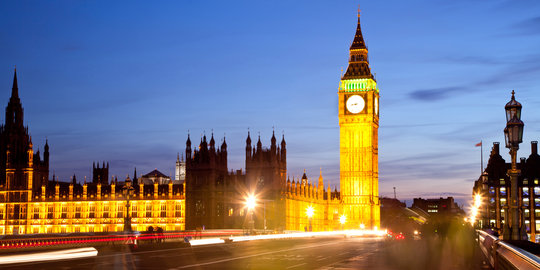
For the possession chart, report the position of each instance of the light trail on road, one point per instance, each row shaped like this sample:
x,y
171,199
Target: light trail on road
x,y
76,253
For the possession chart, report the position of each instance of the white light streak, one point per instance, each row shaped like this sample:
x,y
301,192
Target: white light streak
x,y
50,256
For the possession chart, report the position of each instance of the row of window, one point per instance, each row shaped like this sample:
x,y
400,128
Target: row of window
x,y
146,210
527,213
524,191
525,202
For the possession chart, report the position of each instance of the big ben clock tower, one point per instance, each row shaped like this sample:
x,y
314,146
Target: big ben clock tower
x,y
358,139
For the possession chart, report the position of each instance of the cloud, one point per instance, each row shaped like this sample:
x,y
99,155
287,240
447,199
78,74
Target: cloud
x,y
523,69
436,93
530,26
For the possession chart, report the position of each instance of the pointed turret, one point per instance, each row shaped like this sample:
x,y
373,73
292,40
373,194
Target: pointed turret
x,y
283,150
204,144
14,110
212,142
321,182
358,42
304,178
15,88
259,144
358,62
135,180
188,148
273,145
46,153
224,145
248,147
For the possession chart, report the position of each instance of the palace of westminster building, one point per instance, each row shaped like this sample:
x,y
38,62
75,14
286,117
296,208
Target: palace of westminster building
x,y
210,195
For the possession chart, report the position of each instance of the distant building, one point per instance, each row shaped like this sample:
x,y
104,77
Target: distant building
x,y
153,177
439,206
494,186
180,169
391,202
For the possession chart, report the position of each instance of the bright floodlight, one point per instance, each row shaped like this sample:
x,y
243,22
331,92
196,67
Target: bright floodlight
x,y
475,208
250,201
477,200
342,219
362,226
310,211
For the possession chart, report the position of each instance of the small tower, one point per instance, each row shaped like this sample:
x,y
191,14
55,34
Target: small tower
x,y
177,168
188,148
248,147
100,174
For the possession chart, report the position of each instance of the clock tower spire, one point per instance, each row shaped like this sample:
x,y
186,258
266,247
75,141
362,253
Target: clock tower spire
x,y
358,140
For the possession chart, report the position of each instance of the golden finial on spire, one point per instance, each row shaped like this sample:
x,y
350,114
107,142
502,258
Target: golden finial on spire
x,y
359,10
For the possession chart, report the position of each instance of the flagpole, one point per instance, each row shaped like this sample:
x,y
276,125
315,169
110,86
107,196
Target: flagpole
x,y
481,157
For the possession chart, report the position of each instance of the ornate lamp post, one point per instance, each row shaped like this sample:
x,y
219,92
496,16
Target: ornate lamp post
x,y
309,212
513,135
128,191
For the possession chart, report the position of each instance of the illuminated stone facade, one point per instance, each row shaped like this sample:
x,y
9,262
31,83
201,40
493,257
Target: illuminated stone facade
x,y
326,206
30,203
358,139
69,208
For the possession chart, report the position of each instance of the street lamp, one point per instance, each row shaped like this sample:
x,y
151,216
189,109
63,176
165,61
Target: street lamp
x,y
309,212
342,220
513,136
475,208
250,203
128,191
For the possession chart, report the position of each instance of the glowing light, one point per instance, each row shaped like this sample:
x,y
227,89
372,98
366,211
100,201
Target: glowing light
x,y
310,211
474,209
50,256
356,85
342,219
363,233
209,241
251,201
362,226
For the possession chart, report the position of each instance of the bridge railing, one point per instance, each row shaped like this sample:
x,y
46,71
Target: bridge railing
x,y
504,256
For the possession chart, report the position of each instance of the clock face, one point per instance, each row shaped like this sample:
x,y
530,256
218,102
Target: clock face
x,y
377,106
355,104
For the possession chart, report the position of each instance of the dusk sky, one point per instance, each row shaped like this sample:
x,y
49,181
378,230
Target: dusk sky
x,y
124,82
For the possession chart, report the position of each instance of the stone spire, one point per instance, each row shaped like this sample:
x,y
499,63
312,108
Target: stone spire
x,y
358,57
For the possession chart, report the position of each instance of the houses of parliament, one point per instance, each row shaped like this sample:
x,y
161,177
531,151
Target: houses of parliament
x,y
211,195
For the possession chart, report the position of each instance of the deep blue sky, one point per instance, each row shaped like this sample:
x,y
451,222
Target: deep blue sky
x,y
124,82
